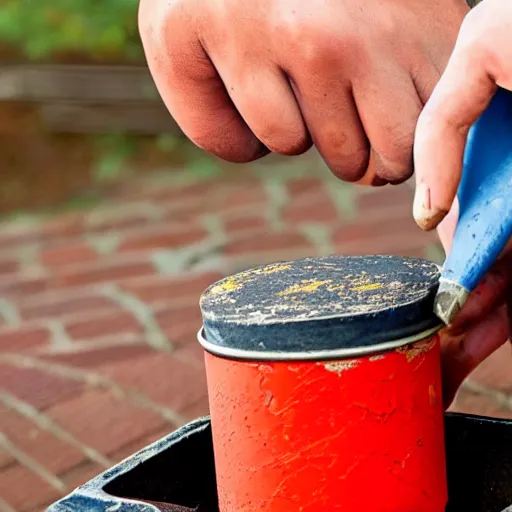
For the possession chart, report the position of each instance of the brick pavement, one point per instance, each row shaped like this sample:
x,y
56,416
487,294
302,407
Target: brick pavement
x,y
99,311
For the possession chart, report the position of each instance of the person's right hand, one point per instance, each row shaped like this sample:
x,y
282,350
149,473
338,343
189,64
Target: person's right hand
x,y
483,324
244,77
481,61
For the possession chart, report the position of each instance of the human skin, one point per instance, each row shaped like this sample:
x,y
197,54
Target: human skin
x,y
243,78
481,61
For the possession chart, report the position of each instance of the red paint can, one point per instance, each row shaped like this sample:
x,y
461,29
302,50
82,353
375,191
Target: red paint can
x,y
325,387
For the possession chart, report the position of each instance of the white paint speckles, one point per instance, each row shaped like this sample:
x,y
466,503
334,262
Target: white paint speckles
x,y
340,366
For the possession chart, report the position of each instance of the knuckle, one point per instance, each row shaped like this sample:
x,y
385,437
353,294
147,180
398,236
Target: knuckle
x,y
320,45
291,142
351,167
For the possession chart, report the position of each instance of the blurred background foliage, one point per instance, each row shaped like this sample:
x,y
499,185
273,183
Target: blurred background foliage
x,y
96,29
40,169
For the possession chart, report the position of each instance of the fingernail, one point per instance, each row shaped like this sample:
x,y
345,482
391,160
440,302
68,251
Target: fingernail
x,y
426,217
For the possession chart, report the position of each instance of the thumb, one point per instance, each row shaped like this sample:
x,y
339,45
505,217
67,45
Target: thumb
x,y
461,95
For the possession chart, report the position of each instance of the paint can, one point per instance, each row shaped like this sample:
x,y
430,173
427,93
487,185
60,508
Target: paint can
x,y
324,386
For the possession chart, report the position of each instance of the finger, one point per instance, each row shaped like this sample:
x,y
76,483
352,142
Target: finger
x,y
332,119
461,95
462,354
267,103
190,85
389,106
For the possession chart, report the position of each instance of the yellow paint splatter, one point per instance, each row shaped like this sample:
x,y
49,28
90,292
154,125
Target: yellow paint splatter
x,y
271,269
306,286
237,281
366,287
228,285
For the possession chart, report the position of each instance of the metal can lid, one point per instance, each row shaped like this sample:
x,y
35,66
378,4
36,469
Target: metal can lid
x,y
320,304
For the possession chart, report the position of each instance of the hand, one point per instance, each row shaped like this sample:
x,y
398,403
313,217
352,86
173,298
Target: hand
x,y
243,78
483,324
481,61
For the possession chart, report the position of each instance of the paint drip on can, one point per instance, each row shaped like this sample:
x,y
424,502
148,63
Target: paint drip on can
x,y
324,386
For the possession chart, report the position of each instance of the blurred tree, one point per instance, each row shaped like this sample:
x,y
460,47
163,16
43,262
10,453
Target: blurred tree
x,y
43,28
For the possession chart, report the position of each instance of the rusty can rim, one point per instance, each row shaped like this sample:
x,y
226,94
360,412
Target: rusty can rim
x,y
313,355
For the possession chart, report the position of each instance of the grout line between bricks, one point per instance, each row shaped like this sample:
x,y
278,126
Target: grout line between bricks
x,y
31,464
44,422
76,347
9,312
155,337
319,235
95,380
277,199
344,198
59,336
499,397
5,507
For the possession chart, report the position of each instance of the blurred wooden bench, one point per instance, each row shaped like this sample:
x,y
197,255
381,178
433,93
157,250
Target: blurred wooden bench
x,y
89,99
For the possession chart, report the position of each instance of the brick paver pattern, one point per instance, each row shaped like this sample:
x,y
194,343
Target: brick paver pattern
x,y
99,309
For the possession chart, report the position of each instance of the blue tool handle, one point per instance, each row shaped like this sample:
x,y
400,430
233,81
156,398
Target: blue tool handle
x,y
485,195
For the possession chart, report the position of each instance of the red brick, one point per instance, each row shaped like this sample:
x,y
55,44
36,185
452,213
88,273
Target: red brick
x,y
368,237
96,357
305,187
188,192
245,223
104,422
22,338
469,402
6,460
185,212
24,491
9,266
39,389
496,371
104,325
198,409
180,324
101,273
111,224
163,378
81,474
18,285
241,194
53,454
22,237
64,306
142,442
166,239
317,209
191,352
185,289
65,225
76,252
266,242
385,197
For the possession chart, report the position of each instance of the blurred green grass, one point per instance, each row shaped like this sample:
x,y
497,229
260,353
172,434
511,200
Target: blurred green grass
x,y
43,29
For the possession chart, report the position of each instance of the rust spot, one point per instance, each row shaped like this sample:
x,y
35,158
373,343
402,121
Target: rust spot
x,y
432,394
413,350
340,366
